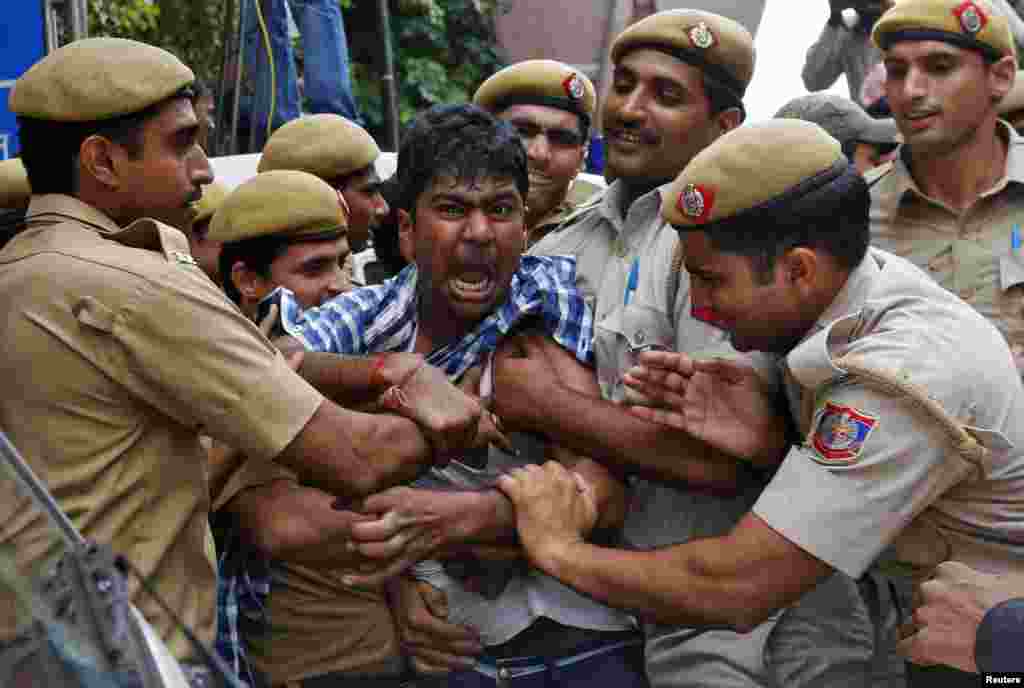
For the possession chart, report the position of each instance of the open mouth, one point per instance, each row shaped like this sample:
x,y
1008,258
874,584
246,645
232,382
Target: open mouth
x,y
629,138
921,120
474,285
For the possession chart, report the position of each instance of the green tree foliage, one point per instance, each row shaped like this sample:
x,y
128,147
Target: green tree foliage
x,y
443,50
191,29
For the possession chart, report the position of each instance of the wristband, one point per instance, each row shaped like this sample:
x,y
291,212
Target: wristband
x,y
377,378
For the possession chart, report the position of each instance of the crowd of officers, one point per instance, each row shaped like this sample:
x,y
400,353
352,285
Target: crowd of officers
x,y
778,389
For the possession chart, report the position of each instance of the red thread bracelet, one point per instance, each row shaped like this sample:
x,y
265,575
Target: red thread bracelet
x,y
377,378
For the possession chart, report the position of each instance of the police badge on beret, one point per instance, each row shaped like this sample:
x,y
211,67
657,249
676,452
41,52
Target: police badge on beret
x,y
696,201
971,17
573,86
702,36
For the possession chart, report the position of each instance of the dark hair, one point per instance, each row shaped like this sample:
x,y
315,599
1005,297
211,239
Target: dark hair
x,y
256,254
49,150
720,97
459,141
828,212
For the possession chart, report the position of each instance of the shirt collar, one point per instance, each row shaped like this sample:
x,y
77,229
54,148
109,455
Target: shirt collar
x,y
903,180
810,362
53,208
645,207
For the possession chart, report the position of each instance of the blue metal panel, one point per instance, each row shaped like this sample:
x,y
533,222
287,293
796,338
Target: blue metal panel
x,y
22,44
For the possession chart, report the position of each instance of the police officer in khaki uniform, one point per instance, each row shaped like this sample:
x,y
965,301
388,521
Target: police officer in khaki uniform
x,y
678,82
953,201
909,444
316,628
205,250
293,236
552,106
341,153
119,350
14,186
14,195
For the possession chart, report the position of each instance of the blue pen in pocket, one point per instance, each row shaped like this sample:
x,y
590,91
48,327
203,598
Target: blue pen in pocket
x,y
1015,240
631,281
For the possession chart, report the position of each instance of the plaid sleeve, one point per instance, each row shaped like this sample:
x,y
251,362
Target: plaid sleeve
x,y
565,314
350,323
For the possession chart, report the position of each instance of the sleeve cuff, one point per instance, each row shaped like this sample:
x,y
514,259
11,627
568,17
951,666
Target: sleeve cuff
x,y
277,409
1000,638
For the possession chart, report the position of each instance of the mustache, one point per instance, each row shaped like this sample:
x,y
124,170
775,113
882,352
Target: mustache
x,y
922,110
647,136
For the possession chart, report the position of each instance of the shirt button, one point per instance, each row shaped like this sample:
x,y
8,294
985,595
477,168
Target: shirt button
x,y
968,293
640,337
504,674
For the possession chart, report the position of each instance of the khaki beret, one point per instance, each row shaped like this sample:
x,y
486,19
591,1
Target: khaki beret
x,y
14,187
750,167
969,24
716,44
213,196
287,203
325,145
98,78
538,82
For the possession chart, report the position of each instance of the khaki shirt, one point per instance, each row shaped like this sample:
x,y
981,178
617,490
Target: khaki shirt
x,y
581,194
314,623
118,353
875,470
606,246
969,253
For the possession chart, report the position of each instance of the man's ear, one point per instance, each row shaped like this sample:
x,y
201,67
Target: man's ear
x,y
1001,77
96,159
406,236
728,119
799,267
249,283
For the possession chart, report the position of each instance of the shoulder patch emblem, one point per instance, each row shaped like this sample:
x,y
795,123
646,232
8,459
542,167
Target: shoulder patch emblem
x,y
971,17
696,201
573,86
840,433
701,36
184,258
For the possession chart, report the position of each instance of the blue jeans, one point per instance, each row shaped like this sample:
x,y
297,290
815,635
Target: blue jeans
x,y
328,85
610,665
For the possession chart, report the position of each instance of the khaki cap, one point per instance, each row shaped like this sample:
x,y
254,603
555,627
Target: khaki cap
x,y
971,24
538,82
716,44
14,187
213,197
325,145
287,203
96,79
752,167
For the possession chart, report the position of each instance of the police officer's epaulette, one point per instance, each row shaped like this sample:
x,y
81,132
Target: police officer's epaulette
x,y
579,211
152,235
876,174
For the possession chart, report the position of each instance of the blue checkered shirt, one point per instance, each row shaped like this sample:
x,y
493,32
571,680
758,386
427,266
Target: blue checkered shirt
x,y
379,319
382,318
